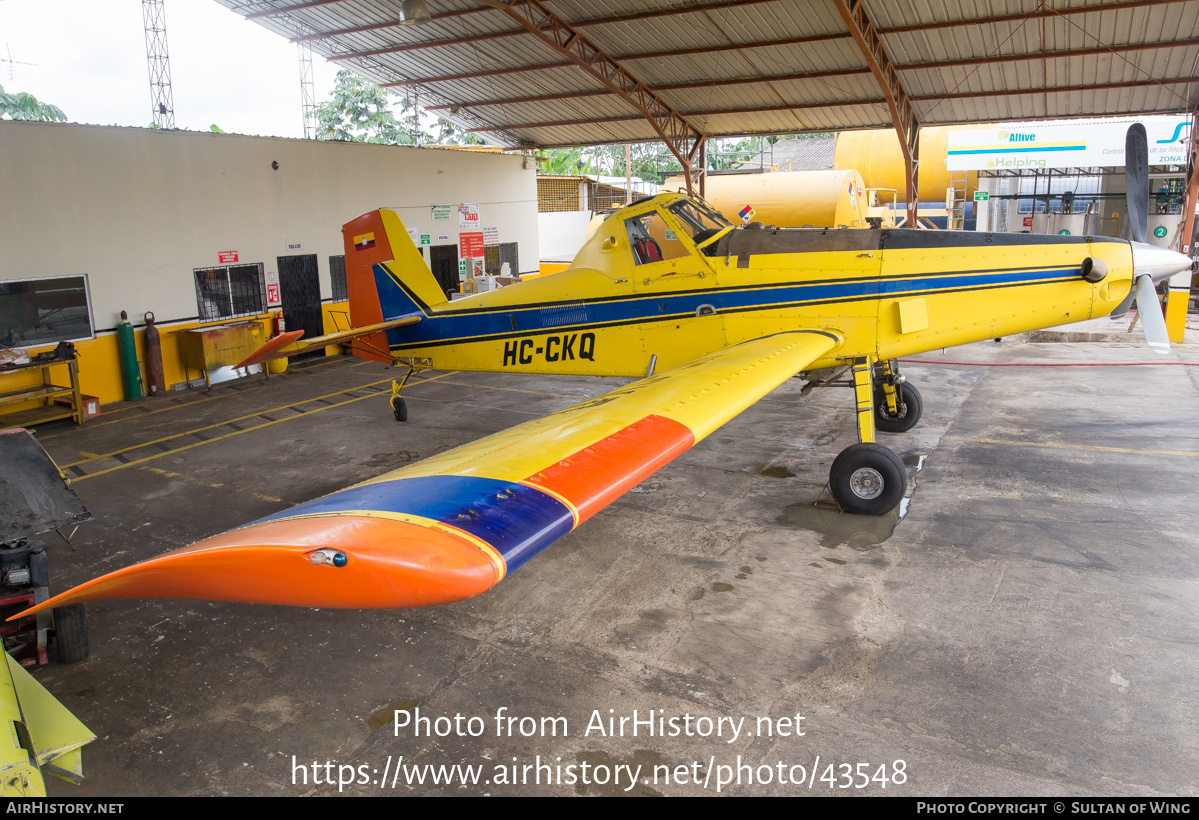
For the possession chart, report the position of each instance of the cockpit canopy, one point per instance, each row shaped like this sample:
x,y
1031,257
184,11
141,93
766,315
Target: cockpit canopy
x,y
653,238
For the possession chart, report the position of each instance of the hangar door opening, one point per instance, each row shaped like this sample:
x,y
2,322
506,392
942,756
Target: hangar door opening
x,y
443,261
300,290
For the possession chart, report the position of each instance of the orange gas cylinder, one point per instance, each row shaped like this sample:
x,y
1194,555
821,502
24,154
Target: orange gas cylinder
x,y
154,372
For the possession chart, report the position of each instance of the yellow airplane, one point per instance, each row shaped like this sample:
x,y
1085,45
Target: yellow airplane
x,y
710,315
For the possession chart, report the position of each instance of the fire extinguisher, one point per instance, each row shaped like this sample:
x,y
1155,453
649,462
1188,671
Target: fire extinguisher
x,y
280,324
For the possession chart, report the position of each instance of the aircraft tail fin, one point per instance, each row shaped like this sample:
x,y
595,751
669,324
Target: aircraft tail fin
x,y
386,275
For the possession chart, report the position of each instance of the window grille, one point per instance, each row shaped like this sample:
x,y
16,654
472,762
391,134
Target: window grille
x,y
494,256
230,292
337,273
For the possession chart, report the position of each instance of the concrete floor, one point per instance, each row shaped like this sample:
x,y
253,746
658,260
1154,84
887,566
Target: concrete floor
x,y
1029,628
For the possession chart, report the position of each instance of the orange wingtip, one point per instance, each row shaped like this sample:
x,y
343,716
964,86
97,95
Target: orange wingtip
x,y
387,564
272,349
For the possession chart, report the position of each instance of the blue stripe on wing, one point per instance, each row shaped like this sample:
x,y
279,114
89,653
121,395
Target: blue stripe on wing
x,y
518,520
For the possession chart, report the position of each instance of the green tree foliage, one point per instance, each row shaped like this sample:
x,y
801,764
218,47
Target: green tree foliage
x,y
652,161
445,132
360,111
22,106
564,161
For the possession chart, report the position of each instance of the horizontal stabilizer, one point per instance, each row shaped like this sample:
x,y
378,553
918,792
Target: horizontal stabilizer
x,y
289,344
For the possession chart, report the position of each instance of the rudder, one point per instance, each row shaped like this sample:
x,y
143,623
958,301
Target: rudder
x,y
386,275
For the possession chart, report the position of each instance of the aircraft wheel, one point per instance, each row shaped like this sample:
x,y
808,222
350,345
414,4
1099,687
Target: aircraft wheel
x,y
867,479
399,408
910,408
70,633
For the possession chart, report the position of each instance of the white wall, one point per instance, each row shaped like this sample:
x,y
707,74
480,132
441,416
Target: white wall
x,y
137,209
561,234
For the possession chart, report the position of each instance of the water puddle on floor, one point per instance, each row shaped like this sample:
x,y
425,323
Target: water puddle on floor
x,y
386,716
774,471
859,532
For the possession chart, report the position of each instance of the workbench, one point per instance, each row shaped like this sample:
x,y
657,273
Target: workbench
x,y
46,392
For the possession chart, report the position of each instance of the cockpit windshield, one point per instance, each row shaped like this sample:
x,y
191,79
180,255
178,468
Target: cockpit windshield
x,y
697,218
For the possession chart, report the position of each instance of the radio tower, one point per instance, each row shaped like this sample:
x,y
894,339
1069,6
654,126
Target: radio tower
x,y
161,99
307,88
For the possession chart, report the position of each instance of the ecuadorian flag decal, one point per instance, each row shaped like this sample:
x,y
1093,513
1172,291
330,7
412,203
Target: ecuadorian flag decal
x,y
367,240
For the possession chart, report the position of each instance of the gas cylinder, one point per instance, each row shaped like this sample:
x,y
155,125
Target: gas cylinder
x,y
131,373
154,372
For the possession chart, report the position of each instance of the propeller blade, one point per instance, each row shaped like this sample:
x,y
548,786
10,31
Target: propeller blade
x,y
1152,320
1136,181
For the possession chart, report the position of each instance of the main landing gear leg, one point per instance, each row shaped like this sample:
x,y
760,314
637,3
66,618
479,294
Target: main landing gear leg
x,y
867,478
398,408
897,404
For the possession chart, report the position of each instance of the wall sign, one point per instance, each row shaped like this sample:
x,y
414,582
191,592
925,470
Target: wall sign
x,y
272,295
468,216
470,244
443,237
424,239
1065,144
441,212
227,257
294,246
491,236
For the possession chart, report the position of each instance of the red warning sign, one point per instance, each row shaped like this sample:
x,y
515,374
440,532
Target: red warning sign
x,y
470,244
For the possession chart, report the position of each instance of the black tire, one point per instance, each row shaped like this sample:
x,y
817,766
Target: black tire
x,y
399,409
910,408
70,633
868,479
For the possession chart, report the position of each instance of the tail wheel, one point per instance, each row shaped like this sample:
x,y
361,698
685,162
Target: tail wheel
x,y
70,633
399,409
868,479
910,408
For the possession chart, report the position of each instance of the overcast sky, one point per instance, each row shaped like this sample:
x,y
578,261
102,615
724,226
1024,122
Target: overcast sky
x,y
90,58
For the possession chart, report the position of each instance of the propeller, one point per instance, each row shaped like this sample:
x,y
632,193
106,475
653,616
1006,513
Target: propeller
x,y
1150,264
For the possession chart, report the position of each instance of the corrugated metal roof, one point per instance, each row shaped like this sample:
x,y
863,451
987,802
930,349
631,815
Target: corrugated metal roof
x,y
737,67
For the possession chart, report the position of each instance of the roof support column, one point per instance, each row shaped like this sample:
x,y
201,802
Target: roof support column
x,y
853,12
1180,284
681,137
699,148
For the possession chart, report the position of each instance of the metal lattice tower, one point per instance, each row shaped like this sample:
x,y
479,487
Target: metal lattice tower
x,y
307,88
161,99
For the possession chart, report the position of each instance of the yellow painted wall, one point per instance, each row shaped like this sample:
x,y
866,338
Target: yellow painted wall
x,y
546,269
100,366
336,316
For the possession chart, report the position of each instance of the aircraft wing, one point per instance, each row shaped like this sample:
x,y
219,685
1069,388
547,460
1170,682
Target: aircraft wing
x,y
453,525
289,344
